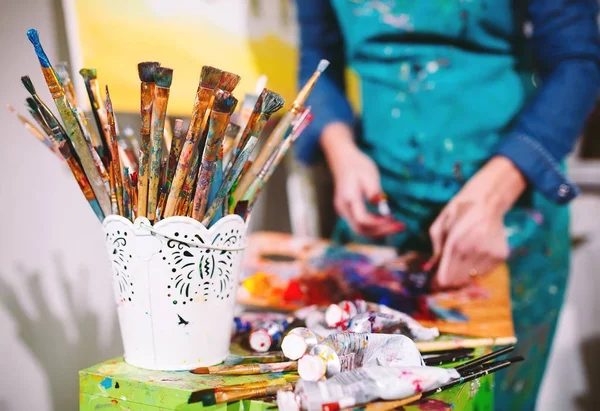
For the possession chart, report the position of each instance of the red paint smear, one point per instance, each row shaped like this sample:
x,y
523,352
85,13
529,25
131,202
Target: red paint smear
x,y
114,401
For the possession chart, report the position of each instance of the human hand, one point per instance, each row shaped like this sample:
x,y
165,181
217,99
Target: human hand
x,y
468,236
356,180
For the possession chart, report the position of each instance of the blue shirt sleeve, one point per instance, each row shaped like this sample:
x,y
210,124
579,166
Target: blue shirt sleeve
x,y
321,38
567,50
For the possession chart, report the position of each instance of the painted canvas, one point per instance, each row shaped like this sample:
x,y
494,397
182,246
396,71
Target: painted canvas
x,y
283,272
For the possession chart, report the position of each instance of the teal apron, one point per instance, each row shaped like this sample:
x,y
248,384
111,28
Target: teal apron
x,y
439,86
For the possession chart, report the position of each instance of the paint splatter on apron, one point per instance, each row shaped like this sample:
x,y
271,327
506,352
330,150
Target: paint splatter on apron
x,y
439,86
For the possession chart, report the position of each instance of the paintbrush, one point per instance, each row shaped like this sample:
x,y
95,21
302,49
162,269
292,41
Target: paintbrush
x,y
268,169
485,358
447,359
248,369
168,136
128,193
265,358
235,172
280,132
57,132
71,124
93,90
187,190
163,78
134,196
271,103
247,107
39,134
82,181
114,153
227,83
146,72
229,142
219,118
34,110
62,71
176,146
209,79
484,369
220,397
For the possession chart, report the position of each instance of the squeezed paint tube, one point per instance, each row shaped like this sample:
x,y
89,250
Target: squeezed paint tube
x,y
338,315
405,322
298,342
362,386
267,335
376,322
356,312
346,351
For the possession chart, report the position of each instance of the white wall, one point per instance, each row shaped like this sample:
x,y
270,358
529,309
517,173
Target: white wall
x,y
56,309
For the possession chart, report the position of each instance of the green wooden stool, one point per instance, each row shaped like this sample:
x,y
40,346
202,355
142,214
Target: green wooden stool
x,y
116,385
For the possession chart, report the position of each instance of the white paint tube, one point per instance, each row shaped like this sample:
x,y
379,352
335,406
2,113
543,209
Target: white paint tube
x,y
364,385
391,323
347,351
338,315
298,342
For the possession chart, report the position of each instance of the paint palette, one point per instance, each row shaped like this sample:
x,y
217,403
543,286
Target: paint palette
x,y
282,272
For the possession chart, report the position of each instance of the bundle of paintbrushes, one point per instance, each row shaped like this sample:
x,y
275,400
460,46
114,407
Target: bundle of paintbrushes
x,y
213,169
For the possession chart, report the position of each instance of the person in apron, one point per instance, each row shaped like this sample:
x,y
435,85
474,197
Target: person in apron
x,y
465,131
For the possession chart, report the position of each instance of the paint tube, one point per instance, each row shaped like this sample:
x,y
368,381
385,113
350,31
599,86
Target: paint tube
x,y
362,386
337,315
240,326
374,322
267,335
371,322
346,351
298,342
405,322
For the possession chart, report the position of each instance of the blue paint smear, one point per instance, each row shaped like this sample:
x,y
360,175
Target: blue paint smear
x,y
34,38
106,383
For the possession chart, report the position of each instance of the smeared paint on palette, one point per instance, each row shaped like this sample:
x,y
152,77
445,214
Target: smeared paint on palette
x,y
278,266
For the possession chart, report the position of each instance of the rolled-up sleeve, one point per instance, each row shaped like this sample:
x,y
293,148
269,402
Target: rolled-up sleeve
x,y
567,50
321,38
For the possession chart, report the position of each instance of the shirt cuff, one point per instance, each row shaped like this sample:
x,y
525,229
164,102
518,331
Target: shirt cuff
x,y
540,168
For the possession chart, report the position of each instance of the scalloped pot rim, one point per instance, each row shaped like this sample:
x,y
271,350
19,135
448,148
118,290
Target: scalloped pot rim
x,y
175,219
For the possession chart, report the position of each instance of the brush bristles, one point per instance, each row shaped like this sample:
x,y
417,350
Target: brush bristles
x,y
32,104
272,102
209,77
163,77
228,81
223,102
323,64
88,73
28,84
201,370
146,71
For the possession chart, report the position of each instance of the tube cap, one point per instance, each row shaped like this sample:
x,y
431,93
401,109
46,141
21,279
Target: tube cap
x,y
294,346
311,367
